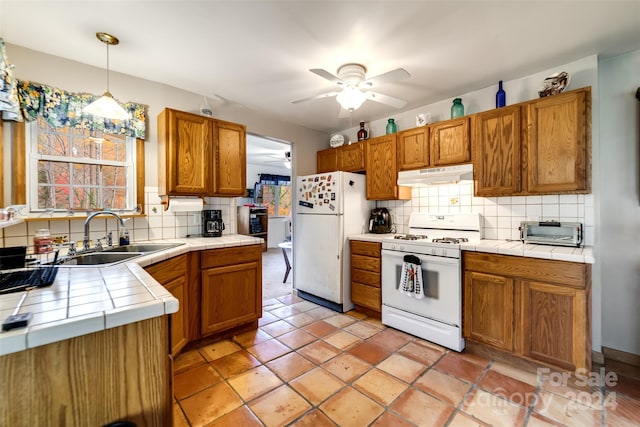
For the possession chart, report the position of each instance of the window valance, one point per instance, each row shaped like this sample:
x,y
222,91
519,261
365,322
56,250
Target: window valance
x,y
266,178
61,109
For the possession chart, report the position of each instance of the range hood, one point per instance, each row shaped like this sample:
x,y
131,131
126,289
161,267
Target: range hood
x,y
434,176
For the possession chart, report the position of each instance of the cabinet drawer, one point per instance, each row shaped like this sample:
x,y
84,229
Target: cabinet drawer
x,y
365,263
366,296
230,256
366,277
166,271
371,249
566,273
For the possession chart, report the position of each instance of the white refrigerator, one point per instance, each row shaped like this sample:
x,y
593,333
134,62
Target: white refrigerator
x,y
329,208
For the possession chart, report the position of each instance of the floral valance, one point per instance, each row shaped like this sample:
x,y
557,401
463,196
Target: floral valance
x,y
61,109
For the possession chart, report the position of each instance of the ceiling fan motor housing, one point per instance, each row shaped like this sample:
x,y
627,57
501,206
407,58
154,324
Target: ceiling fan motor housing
x,y
352,74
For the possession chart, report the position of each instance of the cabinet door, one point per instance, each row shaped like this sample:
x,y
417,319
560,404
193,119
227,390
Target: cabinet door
x,y
231,296
184,153
230,159
557,144
351,157
497,142
413,148
488,309
173,275
382,172
327,160
554,325
449,142
179,320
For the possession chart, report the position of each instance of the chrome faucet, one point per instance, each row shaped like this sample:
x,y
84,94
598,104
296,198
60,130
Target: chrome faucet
x,y
85,240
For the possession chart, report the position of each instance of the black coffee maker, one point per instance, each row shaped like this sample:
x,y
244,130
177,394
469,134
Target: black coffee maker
x,y
212,224
380,221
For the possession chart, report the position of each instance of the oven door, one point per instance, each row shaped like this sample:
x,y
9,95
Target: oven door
x,y
442,287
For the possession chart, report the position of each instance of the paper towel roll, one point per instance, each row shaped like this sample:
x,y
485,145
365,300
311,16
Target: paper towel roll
x,y
186,205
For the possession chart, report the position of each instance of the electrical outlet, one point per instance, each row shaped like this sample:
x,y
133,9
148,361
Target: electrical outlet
x,y
453,200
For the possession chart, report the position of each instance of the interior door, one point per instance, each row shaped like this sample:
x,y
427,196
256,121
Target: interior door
x,y
318,252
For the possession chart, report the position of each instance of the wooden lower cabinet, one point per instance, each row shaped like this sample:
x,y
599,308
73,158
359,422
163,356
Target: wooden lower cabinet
x,y
365,275
488,308
173,275
116,374
231,283
538,309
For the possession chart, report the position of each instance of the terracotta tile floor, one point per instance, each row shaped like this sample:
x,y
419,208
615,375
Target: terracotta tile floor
x,y
309,366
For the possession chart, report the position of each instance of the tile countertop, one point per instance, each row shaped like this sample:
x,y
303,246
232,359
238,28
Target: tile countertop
x,y
83,300
508,247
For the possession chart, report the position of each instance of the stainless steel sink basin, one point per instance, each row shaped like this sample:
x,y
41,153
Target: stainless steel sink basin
x,y
142,247
99,258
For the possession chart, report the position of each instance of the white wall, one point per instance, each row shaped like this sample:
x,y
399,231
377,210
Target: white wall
x,y
619,242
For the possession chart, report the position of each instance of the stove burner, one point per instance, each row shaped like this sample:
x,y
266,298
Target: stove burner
x,y
408,237
453,240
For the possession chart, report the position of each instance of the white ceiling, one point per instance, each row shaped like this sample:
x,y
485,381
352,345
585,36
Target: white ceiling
x,y
257,53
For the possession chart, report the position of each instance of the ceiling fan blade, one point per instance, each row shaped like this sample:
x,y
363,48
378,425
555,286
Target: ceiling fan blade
x,y
390,76
322,95
326,75
386,99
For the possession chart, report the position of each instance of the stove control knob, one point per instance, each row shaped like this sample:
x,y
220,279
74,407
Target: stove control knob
x,y
444,252
433,251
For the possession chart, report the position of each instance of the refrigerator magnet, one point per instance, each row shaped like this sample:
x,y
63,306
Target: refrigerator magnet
x,y
333,208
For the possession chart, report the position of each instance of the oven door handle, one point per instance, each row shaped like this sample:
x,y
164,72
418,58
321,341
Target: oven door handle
x,y
424,258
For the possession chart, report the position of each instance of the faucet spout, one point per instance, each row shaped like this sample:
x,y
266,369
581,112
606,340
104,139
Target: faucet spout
x,y
85,241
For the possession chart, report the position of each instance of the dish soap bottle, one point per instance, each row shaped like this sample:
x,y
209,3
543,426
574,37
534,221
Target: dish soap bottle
x,y
124,236
391,127
501,96
457,109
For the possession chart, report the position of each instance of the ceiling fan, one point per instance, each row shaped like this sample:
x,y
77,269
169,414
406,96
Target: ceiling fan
x,y
284,158
352,80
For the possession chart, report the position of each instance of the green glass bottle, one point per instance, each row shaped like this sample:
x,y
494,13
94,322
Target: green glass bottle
x,y
391,127
457,109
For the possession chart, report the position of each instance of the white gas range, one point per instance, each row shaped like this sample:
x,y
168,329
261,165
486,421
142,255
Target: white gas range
x,y
422,276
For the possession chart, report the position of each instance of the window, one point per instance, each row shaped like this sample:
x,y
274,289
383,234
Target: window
x,y
277,198
68,168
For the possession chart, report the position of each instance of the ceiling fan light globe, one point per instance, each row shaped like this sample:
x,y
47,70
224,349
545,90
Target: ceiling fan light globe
x,y
351,98
106,106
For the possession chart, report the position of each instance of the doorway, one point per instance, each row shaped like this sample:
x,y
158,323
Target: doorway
x,y
272,158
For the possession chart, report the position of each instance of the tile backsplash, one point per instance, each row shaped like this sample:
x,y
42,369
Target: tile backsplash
x,y
158,224
501,215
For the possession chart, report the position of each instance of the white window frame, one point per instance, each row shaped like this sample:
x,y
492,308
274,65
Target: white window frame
x,y
32,158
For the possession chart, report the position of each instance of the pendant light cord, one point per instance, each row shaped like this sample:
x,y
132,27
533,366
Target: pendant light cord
x,y
108,90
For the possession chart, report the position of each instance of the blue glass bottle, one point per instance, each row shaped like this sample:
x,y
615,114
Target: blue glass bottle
x,y
501,96
391,127
457,109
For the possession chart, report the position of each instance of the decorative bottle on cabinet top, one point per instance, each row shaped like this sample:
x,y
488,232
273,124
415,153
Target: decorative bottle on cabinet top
x,y
391,127
457,109
501,96
362,133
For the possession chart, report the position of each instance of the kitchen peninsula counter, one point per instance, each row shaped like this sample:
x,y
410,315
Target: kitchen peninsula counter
x,y
88,299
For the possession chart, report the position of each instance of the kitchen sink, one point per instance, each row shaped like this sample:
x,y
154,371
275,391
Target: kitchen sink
x,y
99,258
142,247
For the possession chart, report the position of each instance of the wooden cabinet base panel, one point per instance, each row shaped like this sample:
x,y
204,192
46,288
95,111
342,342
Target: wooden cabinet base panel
x,y
121,373
369,312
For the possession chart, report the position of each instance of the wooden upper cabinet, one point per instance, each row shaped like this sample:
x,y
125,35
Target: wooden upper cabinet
x,y
557,144
413,148
449,142
200,156
497,142
230,177
382,172
184,144
327,160
351,157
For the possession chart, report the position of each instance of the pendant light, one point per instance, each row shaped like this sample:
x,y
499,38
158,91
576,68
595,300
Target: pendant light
x,y
106,106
